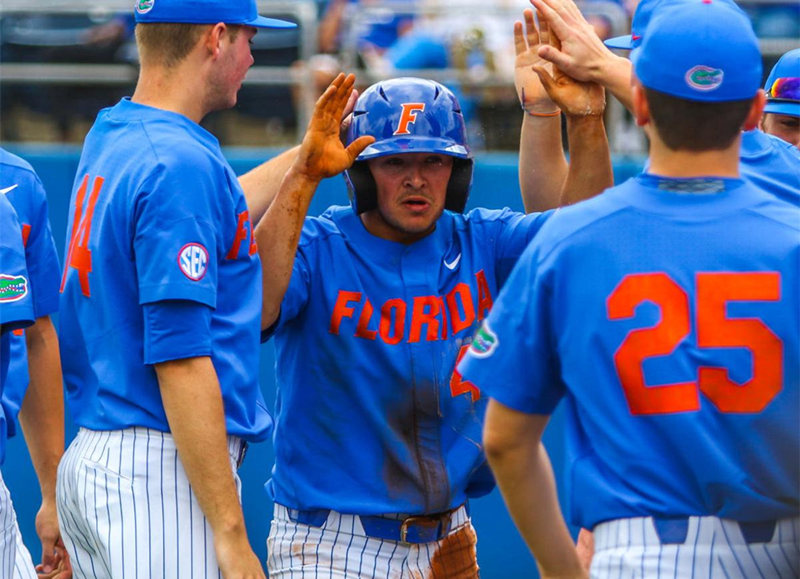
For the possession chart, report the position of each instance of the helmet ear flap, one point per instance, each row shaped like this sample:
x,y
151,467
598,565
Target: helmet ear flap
x,y
361,187
459,185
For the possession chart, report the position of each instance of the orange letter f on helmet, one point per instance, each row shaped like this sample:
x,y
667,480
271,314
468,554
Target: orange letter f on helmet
x,y
408,116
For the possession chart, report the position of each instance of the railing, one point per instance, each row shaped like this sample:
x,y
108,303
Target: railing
x,y
305,13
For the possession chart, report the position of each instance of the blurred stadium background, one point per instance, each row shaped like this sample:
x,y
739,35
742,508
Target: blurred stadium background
x,y
63,60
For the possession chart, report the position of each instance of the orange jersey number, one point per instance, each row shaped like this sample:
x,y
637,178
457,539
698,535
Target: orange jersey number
x,y
79,256
714,330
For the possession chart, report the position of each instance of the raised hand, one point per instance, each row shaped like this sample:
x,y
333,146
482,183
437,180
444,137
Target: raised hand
x,y
574,97
532,95
322,153
580,52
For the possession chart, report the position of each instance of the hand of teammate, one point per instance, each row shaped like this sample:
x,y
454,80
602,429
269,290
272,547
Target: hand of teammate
x,y
60,567
575,98
322,153
236,559
49,535
580,52
531,93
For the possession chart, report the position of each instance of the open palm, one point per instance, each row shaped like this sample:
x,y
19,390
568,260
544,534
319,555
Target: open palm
x,y
532,95
322,153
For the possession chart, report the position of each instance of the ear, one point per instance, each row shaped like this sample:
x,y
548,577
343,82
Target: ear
x,y
641,108
212,39
754,116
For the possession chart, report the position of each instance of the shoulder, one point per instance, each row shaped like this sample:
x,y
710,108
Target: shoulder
x,y
330,223
16,169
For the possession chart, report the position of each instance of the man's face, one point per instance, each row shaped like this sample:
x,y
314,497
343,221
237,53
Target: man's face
x,y
411,194
784,127
235,59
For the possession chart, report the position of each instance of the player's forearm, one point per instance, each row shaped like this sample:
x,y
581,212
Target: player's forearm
x,y
519,461
590,169
261,184
277,236
542,164
192,401
42,413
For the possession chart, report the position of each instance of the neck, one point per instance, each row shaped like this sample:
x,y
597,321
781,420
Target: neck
x,y
178,89
669,163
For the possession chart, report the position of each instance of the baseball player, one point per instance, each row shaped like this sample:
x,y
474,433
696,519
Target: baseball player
x,y
16,311
766,160
664,314
782,113
377,441
34,373
160,305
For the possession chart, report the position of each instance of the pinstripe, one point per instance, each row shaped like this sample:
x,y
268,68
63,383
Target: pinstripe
x,y
97,461
343,537
136,554
23,563
735,554
8,531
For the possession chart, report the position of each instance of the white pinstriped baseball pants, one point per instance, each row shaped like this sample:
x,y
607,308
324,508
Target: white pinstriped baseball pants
x,y
126,509
8,530
340,549
712,548
23,563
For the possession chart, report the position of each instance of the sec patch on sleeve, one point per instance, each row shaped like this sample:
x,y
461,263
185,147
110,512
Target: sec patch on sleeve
x,y
485,342
193,261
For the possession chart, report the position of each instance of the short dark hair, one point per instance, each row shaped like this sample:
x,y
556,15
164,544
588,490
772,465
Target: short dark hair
x,y
693,125
168,43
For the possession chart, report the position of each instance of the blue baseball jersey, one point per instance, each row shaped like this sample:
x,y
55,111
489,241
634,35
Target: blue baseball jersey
x,y
16,302
157,217
771,164
25,191
370,417
667,321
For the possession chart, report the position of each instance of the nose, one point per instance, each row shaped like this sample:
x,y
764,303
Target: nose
x,y
414,176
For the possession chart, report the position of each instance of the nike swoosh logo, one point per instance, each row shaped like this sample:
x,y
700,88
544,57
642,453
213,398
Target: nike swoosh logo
x,y
8,189
452,265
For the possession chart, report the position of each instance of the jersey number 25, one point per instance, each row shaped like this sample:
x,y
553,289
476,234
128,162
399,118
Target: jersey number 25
x,y
714,329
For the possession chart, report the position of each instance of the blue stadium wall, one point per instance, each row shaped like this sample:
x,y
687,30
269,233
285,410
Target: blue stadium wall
x,y
501,552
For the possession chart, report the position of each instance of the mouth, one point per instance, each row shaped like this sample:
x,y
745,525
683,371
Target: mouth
x,y
416,204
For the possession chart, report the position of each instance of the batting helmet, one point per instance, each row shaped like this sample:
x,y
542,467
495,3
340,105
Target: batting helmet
x,y
409,115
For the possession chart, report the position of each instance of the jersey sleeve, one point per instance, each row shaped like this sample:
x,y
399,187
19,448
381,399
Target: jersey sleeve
x,y
177,237
16,304
176,329
41,255
512,357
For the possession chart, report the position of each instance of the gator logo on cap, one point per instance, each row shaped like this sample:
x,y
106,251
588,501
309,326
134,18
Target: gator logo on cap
x,y
12,288
704,78
144,6
485,342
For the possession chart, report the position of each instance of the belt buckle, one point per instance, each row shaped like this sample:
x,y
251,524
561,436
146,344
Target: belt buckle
x,y
405,524
427,521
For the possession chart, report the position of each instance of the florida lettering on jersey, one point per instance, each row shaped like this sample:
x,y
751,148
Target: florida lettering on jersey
x,y
439,315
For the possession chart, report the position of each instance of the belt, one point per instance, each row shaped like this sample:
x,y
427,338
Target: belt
x,y
411,529
671,531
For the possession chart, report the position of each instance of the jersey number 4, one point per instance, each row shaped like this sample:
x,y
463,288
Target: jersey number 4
x,y
79,256
714,329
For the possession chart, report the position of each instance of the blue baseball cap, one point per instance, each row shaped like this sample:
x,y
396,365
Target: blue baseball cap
x,y
641,18
701,50
783,85
241,12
